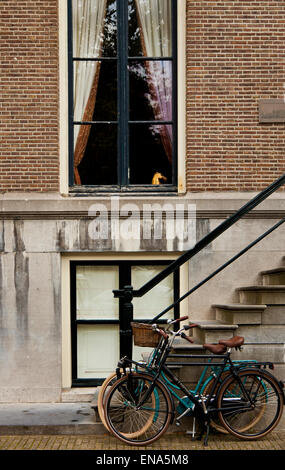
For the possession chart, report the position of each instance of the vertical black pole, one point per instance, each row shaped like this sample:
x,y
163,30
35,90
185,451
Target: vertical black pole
x,y
126,343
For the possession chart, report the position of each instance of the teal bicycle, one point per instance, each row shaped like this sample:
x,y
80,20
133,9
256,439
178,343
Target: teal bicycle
x,y
202,388
139,406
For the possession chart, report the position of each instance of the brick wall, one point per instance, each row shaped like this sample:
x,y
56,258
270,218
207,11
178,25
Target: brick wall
x,y
29,95
235,56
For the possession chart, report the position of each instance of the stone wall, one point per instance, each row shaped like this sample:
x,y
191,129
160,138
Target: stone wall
x,y
36,232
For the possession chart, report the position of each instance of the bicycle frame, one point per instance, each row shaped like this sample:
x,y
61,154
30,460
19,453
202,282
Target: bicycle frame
x,y
197,401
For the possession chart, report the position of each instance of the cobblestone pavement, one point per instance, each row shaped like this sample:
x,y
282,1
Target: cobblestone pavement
x,y
178,441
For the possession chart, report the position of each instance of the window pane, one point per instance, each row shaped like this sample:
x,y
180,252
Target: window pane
x,y
94,296
135,37
150,154
157,299
95,90
106,99
85,84
151,26
150,90
110,30
92,341
98,165
94,27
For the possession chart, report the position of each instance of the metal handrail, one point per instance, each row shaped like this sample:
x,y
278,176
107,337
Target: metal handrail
x,y
127,293
210,237
218,270
206,240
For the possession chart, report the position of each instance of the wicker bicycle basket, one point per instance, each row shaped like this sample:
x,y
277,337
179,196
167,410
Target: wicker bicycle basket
x,y
144,335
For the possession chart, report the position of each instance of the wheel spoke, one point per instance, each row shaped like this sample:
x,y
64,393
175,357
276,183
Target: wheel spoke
x,y
251,405
134,424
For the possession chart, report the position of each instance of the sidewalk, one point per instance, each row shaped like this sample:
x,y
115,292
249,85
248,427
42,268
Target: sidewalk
x,y
72,426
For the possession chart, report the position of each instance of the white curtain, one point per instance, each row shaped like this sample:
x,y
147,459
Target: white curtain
x,y
88,21
155,22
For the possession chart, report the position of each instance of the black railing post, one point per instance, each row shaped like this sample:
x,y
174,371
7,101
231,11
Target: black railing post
x,y
126,317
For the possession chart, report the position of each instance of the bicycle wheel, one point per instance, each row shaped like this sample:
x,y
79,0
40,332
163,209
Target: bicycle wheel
x,y
215,422
133,424
105,387
251,405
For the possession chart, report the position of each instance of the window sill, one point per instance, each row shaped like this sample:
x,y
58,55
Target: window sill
x,y
152,190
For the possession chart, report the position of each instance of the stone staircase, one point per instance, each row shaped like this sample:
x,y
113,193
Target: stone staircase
x,y
259,317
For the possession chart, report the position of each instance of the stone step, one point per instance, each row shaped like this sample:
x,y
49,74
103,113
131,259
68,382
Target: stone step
x,y
263,334
260,352
211,331
240,313
274,315
94,400
262,295
182,346
273,276
77,395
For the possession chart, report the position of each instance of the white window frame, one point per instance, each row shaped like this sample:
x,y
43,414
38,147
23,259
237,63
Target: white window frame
x,y
63,97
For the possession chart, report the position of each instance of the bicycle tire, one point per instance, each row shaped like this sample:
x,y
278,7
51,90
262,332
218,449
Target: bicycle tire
x,y
108,382
215,422
138,427
245,420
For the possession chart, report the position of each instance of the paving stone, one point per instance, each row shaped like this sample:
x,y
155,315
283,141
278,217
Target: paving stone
x,y
177,441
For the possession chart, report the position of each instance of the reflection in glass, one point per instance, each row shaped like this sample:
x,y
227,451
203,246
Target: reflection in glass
x,y
151,25
150,90
150,154
88,26
98,165
148,149
110,30
94,26
135,39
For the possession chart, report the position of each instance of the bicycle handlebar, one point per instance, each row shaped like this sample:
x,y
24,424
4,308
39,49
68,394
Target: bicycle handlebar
x,y
186,337
180,319
162,333
186,327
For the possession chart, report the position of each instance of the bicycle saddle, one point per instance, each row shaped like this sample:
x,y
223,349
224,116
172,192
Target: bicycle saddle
x,y
235,342
215,348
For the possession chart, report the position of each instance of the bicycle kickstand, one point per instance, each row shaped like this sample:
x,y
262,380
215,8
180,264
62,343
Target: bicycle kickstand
x,y
205,427
193,432
207,434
